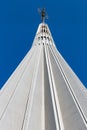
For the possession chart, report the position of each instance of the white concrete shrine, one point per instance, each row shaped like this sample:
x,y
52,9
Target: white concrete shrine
x,y
43,93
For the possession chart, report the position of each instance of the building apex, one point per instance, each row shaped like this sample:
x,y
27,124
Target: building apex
x,y
43,28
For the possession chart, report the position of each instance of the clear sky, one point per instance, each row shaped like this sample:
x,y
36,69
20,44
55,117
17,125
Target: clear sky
x,y
19,21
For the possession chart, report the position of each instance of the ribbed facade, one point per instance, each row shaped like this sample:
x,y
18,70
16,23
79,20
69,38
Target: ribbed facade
x,y
43,93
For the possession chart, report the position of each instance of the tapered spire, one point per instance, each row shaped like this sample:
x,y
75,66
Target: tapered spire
x,y
43,93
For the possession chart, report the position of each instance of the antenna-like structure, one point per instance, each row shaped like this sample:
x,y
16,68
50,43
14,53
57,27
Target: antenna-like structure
x,y
43,14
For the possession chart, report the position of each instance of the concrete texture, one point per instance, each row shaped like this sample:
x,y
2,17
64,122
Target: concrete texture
x,y
43,93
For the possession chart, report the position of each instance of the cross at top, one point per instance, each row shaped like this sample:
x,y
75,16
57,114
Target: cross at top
x,y
43,14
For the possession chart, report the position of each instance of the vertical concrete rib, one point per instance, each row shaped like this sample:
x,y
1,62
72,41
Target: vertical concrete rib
x,y
56,106
49,111
34,119
76,86
43,90
70,88
68,107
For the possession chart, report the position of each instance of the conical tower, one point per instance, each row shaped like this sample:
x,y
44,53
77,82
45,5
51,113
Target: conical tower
x,y
43,93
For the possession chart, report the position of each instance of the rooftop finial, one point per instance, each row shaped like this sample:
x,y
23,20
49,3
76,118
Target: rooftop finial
x,y
43,14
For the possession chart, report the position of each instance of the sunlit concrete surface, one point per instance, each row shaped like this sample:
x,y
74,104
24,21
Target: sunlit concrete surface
x,y
43,93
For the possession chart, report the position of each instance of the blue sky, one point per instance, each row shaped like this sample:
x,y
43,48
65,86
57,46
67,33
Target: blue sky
x,y
19,21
